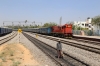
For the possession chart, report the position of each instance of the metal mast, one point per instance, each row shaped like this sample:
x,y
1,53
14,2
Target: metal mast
x,y
60,20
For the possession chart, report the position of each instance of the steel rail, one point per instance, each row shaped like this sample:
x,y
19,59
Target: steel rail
x,y
72,60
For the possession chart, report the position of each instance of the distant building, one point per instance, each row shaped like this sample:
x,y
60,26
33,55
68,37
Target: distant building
x,y
80,23
84,24
88,24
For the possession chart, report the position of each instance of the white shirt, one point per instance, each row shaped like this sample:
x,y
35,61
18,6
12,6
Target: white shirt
x,y
59,46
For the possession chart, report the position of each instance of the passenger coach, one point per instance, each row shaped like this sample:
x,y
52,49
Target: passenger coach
x,y
4,31
60,31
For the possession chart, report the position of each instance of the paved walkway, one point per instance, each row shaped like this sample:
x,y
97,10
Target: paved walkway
x,y
98,37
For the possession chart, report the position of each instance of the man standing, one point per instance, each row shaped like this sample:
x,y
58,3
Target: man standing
x,y
59,49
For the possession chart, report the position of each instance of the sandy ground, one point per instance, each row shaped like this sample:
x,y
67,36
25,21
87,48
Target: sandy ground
x,y
16,55
22,53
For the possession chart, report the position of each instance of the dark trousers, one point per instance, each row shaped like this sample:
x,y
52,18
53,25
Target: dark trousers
x,y
59,53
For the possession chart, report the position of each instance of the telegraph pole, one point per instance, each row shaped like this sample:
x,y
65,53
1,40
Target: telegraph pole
x,y
60,20
41,24
25,22
34,23
12,25
3,24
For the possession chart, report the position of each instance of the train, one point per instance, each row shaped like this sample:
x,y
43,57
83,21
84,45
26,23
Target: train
x,y
58,31
4,31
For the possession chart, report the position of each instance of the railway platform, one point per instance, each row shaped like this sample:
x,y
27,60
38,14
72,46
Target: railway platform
x,y
97,37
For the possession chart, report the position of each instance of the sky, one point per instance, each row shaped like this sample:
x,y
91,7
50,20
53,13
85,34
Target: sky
x,y
43,11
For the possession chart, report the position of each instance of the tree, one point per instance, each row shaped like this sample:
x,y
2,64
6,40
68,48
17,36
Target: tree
x,y
96,20
73,27
49,24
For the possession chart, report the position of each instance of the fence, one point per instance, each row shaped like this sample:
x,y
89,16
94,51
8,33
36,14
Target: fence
x,y
87,32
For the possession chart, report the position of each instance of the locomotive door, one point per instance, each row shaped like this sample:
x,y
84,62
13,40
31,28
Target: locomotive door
x,y
64,30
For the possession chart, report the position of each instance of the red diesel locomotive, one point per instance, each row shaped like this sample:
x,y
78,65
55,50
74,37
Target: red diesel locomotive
x,y
62,31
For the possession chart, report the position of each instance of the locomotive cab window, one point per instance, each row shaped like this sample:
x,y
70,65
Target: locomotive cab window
x,y
63,27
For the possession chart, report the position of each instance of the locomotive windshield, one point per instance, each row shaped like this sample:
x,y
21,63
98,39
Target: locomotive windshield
x,y
69,26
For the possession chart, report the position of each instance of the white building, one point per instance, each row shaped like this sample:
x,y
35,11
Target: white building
x,y
80,24
84,24
87,24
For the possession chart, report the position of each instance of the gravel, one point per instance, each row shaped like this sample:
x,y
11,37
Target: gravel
x,y
38,55
2,37
90,58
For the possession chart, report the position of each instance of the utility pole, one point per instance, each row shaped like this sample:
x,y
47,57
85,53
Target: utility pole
x,y
19,24
34,23
25,21
3,24
80,23
12,25
60,20
41,24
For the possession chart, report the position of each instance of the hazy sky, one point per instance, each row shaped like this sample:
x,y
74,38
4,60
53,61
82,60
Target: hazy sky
x,y
47,10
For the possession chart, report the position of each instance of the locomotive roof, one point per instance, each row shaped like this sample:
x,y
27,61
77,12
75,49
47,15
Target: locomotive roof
x,y
45,27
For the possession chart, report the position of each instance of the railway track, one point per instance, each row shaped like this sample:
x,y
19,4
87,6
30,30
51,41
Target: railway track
x,y
93,41
51,52
78,45
87,41
4,40
88,38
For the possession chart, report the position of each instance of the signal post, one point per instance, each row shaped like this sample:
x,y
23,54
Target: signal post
x,y
19,31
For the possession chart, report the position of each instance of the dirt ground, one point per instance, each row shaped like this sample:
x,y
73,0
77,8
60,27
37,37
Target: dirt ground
x,y
16,55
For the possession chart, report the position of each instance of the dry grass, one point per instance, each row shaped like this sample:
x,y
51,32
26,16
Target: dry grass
x,y
15,55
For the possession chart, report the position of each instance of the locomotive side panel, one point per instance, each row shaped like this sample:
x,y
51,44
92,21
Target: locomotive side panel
x,y
68,29
56,29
